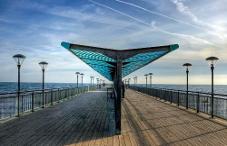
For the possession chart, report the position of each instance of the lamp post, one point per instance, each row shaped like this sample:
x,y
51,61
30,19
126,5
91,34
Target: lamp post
x,y
92,77
97,82
129,81
43,66
146,79
150,74
212,60
19,58
187,65
82,78
77,74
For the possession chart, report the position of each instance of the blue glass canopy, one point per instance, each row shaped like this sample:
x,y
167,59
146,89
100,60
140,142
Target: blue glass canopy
x,y
104,60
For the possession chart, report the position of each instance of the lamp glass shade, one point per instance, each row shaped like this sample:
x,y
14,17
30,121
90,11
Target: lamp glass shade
x,y
19,59
187,65
43,65
212,60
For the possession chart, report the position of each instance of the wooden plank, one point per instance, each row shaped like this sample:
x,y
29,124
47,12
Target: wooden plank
x,y
83,121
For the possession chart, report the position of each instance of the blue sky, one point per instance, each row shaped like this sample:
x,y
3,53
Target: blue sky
x,y
36,29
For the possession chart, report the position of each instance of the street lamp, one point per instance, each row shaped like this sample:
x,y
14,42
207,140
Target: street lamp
x,y
92,77
134,78
97,82
77,74
43,66
146,79
82,77
212,60
19,58
187,65
150,74
101,82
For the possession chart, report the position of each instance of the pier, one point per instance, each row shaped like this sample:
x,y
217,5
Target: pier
x,y
113,73
88,119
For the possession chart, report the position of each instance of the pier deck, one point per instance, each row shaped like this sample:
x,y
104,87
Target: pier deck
x,y
84,120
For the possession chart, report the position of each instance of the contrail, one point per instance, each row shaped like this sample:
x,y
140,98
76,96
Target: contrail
x,y
153,26
119,12
159,14
195,19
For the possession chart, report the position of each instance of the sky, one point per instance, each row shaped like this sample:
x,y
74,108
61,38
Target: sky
x,y
37,28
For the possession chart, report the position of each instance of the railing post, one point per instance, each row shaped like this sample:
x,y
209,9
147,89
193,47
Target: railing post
x,y
207,101
22,104
198,103
32,101
65,96
58,95
171,97
51,97
178,98
187,99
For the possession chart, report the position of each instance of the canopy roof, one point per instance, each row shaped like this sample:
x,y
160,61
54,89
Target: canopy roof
x,y
104,60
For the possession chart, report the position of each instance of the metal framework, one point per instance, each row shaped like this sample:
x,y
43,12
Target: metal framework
x,y
115,64
104,60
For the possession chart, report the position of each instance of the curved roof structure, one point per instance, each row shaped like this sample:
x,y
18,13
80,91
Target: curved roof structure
x,y
103,60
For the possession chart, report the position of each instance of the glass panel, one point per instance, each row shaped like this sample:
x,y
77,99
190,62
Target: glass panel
x,y
101,63
140,60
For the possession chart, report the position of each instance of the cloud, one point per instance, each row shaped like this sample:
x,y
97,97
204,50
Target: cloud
x,y
181,7
185,10
154,27
36,31
209,27
158,14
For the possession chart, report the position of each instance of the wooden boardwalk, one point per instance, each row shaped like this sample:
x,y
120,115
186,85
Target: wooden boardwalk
x,y
87,120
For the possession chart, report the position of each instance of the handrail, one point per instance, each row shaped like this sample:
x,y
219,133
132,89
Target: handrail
x,y
190,91
33,99
37,90
199,101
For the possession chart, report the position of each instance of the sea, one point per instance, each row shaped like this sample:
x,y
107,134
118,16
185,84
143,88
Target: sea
x,y
218,89
6,87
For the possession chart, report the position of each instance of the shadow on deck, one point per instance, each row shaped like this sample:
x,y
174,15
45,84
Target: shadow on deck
x,y
82,118
88,120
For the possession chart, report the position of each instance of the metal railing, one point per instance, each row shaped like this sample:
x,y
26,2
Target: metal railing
x,y
29,101
199,101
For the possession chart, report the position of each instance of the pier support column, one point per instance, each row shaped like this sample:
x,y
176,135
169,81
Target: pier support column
x,y
118,86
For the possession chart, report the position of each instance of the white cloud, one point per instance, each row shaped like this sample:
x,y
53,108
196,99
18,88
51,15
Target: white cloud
x,y
209,27
105,26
